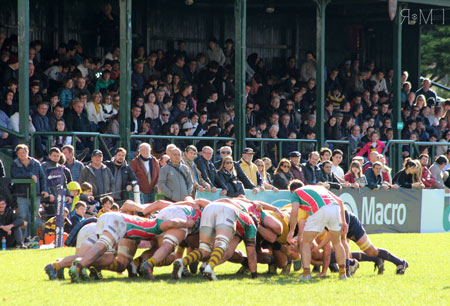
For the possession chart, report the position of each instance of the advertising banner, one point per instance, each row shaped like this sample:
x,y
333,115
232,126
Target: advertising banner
x,y
55,178
392,211
435,210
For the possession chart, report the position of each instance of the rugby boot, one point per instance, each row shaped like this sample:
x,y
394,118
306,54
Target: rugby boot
x,y
402,268
147,271
95,273
379,265
51,272
177,271
209,273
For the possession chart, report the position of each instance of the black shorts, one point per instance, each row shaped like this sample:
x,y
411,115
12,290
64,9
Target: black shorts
x,y
355,228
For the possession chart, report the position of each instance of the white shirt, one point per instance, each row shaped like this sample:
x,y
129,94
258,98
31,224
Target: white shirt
x,y
338,171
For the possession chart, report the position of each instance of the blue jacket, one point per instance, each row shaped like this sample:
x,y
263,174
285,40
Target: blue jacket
x,y
372,180
5,122
41,123
65,97
19,170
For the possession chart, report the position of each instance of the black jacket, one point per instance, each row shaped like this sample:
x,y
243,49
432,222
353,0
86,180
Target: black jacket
x,y
402,179
282,181
128,178
309,173
330,179
240,174
209,173
234,186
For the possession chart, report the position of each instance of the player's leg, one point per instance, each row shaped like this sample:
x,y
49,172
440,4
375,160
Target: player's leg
x,y
305,249
333,223
171,240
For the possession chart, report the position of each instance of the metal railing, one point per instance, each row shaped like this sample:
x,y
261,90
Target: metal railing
x,y
437,85
342,142
191,139
280,141
98,138
32,208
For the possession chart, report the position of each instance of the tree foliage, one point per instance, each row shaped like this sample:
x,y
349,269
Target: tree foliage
x,y
435,51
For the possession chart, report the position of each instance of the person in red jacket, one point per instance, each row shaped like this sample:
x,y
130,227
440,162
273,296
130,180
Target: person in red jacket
x,y
427,178
374,145
146,168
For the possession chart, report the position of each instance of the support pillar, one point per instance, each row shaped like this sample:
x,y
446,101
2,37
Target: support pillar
x,y
397,65
125,74
240,26
320,66
23,13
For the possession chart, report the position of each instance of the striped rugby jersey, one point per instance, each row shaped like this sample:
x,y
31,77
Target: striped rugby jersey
x,y
311,198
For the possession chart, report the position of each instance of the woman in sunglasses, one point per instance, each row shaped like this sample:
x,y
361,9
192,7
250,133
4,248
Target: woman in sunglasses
x,y
228,174
282,176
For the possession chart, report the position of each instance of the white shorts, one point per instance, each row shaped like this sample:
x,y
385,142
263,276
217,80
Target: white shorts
x,y
328,216
173,212
114,224
218,216
87,235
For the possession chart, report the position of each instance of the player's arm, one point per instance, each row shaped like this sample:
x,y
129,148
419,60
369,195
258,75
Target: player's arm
x,y
324,242
132,206
342,214
176,223
155,206
326,258
252,261
267,206
293,221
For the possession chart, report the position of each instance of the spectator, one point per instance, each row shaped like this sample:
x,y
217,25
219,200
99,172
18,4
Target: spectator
x,y
336,159
426,91
65,93
427,178
441,150
175,179
26,167
325,154
227,151
437,171
123,174
10,223
146,168
311,169
107,203
78,214
50,228
409,176
94,110
200,184
374,178
57,114
87,196
71,163
227,173
214,52
373,157
296,168
208,170
98,175
41,123
355,175
77,121
7,139
374,145
328,179
60,141
265,176
271,147
250,169
54,157
308,67
282,177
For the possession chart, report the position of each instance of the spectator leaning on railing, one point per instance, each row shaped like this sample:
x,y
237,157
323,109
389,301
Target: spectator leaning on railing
x,y
436,170
409,176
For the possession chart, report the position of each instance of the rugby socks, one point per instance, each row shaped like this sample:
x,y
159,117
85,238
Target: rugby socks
x,y
152,262
56,266
216,256
360,256
386,255
341,270
165,262
114,266
244,262
192,257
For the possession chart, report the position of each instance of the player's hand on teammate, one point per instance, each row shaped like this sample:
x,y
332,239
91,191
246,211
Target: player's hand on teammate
x,y
223,192
190,223
344,228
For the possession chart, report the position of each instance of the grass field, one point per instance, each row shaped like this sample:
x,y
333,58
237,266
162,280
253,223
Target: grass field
x,y
426,282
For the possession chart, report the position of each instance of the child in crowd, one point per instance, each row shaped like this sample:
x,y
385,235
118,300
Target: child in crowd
x,y
78,214
50,227
107,203
87,196
75,191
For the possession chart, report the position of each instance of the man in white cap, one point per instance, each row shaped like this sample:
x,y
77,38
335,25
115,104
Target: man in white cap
x,y
250,169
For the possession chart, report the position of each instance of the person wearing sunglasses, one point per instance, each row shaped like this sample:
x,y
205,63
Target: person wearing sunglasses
x,y
282,176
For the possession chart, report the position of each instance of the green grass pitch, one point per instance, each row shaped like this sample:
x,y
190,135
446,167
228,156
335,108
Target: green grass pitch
x,y
426,282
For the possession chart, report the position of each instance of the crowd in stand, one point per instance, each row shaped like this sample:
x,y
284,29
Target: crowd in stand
x,y
175,93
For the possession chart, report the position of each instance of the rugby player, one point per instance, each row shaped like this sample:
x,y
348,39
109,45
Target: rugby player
x,y
111,227
357,234
325,210
219,222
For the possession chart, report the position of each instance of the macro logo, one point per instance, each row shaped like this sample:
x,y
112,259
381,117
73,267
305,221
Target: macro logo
x,y
350,203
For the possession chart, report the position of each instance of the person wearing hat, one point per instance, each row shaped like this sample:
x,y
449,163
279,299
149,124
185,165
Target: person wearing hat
x,y
188,128
124,176
296,168
98,175
250,169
